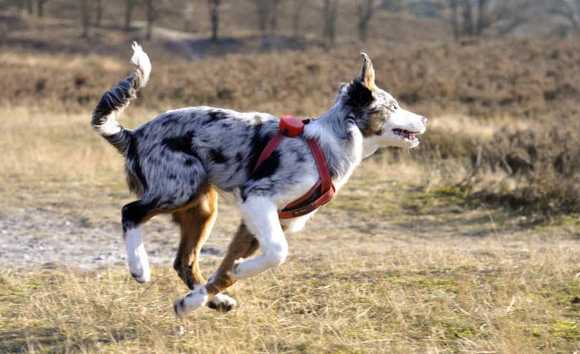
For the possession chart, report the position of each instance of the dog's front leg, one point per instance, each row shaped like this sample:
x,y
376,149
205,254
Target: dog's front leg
x,y
261,217
243,245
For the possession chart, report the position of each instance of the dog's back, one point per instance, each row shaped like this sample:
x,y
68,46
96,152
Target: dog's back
x,y
224,143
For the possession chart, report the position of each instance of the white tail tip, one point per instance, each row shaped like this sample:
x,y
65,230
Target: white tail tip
x,y
141,60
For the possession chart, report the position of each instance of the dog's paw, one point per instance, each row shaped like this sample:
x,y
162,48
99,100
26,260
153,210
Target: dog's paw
x,y
139,266
196,299
222,303
137,256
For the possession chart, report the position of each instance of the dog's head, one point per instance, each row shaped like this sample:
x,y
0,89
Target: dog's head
x,y
377,114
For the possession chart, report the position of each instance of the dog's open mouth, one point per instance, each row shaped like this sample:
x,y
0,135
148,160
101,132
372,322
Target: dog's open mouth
x,y
405,134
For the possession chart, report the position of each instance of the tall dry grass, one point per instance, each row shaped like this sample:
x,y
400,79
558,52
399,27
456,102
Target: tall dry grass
x,y
498,297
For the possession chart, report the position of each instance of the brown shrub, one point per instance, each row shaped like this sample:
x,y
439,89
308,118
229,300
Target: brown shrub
x,y
535,170
517,77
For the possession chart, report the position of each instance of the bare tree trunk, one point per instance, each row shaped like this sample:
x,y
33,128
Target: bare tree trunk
x,y
262,13
482,18
454,18
29,7
274,16
569,10
187,17
99,13
365,11
298,6
85,17
150,13
214,6
129,6
467,18
21,5
40,7
329,30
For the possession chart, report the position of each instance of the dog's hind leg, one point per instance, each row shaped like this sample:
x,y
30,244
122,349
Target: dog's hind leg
x,y
243,245
137,213
196,225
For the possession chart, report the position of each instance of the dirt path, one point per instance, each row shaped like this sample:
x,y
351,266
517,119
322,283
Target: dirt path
x,y
37,238
43,237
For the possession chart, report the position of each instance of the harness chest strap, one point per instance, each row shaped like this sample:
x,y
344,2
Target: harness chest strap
x,y
292,127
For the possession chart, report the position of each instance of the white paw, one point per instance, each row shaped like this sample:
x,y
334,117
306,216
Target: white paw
x,y
222,303
139,266
137,256
196,299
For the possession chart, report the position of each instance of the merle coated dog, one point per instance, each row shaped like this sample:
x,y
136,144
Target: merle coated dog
x,y
178,161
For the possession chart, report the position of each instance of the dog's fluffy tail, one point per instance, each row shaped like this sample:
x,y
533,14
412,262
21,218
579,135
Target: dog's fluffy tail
x,y
114,102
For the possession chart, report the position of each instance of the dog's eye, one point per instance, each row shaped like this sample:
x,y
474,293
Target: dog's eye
x,y
393,107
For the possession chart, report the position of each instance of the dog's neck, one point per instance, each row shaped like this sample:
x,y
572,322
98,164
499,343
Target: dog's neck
x,y
341,141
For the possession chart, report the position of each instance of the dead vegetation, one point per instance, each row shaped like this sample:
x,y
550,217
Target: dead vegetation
x,y
501,296
534,170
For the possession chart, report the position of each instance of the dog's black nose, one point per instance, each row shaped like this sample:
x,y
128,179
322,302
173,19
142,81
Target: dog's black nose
x,y
424,120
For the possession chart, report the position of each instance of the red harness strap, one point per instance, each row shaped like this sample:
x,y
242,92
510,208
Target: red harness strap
x,y
322,192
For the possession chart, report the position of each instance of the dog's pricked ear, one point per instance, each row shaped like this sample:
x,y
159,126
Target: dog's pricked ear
x,y
367,77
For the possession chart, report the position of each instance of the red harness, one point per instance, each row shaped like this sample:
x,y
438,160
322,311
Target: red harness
x,y
322,192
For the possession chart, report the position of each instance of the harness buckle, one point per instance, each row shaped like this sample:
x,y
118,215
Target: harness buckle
x,y
291,126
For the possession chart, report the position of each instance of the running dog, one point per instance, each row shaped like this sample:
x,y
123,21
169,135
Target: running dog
x,y
178,161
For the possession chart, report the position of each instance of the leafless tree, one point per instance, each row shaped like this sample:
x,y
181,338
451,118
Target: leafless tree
x,y
214,14
262,13
472,18
98,13
365,12
150,14
267,12
296,16
29,7
129,6
187,17
274,4
85,17
40,7
329,29
568,10
468,18
20,4
454,18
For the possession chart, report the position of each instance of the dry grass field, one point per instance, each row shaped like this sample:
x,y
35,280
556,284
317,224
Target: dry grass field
x,y
451,248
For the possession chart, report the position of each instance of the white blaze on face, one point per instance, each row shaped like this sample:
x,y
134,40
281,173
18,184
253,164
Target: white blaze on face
x,y
403,127
400,129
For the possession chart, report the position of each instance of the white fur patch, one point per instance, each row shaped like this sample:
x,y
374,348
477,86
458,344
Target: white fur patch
x,y
110,125
141,59
196,299
137,256
261,217
297,224
223,302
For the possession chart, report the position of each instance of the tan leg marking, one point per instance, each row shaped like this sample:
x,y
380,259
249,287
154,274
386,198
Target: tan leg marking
x,y
196,225
243,245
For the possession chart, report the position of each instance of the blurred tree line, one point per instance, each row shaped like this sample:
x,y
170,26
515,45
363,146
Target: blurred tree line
x,y
467,18
477,18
